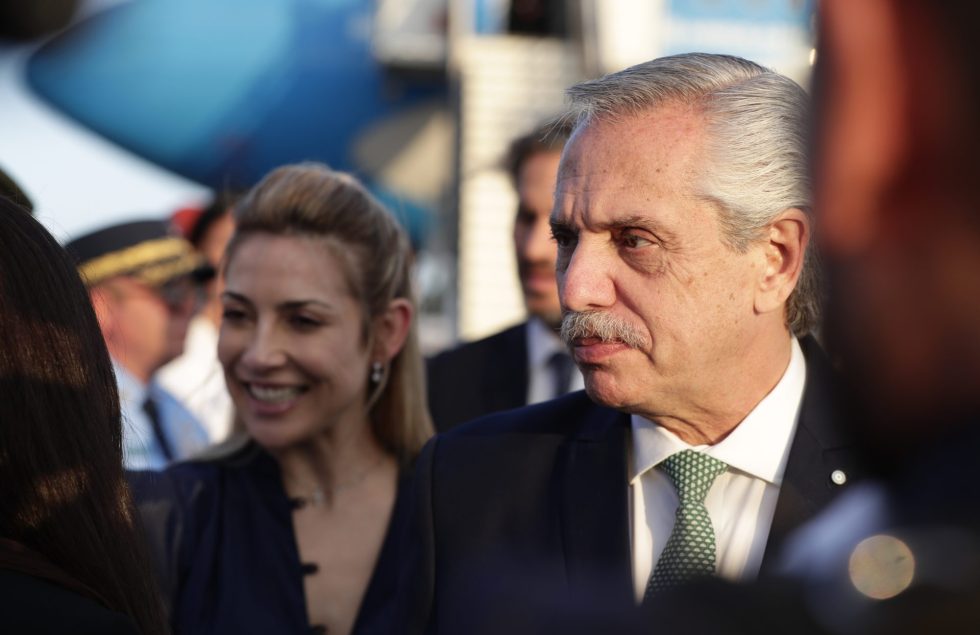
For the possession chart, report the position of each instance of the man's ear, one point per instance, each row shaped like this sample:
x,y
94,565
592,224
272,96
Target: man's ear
x,y
784,248
391,330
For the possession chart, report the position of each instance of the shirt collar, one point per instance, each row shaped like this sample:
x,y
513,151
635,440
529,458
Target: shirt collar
x,y
131,390
758,446
542,343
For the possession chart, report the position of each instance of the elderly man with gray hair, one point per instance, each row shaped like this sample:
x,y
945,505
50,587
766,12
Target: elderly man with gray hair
x,y
707,430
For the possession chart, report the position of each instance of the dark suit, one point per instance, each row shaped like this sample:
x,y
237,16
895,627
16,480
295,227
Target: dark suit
x,y
523,510
477,378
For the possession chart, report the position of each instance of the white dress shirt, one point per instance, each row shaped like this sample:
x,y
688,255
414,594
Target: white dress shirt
x,y
741,502
542,344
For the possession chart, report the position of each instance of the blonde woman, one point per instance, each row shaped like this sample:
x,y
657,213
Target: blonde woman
x,y
298,526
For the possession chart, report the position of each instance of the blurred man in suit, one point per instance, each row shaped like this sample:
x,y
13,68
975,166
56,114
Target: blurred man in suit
x,y
526,363
708,428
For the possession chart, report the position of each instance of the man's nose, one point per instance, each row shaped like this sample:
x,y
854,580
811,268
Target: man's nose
x,y
586,283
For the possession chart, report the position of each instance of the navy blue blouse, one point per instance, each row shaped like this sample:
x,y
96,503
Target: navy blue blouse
x,y
221,536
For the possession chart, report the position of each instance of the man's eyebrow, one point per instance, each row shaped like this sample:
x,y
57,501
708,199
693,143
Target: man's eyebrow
x,y
637,221
558,224
623,222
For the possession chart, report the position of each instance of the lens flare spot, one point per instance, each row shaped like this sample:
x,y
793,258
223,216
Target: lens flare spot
x,y
881,567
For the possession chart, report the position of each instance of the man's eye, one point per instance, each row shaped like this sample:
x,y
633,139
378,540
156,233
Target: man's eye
x,y
563,238
634,241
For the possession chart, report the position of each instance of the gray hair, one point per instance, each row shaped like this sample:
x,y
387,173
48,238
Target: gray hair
x,y
757,122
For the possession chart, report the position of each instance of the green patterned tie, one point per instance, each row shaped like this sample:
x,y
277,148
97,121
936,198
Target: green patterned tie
x,y
690,550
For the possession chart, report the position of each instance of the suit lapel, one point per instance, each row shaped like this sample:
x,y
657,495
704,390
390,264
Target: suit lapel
x,y
820,448
595,508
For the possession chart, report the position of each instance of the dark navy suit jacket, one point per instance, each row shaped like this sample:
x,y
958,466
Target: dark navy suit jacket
x,y
528,509
478,378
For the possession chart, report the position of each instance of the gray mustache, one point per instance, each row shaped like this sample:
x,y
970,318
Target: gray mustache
x,y
601,325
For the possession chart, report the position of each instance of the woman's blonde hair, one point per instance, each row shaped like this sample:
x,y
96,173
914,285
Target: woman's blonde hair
x,y
310,199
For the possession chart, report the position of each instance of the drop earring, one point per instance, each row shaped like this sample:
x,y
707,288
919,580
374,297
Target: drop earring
x,y
377,372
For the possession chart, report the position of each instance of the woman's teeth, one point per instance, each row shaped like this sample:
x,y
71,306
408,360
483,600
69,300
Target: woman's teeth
x,y
273,395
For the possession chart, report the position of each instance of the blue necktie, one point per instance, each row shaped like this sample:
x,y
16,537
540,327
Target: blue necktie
x,y
153,413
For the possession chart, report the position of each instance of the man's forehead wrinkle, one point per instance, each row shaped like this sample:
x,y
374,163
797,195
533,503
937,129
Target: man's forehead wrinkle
x,y
565,189
614,170
662,139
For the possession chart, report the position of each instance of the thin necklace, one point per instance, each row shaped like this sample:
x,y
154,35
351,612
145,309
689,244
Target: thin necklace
x,y
318,496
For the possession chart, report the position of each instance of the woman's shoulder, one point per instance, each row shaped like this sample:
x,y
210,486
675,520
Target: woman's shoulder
x,y
203,471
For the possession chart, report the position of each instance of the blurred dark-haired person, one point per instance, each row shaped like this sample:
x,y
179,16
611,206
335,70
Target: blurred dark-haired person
x,y
145,285
898,83
526,363
298,525
195,377
708,429
70,560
